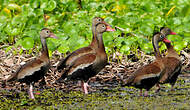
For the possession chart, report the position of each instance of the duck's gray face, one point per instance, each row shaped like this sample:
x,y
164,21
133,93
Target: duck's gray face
x,y
167,31
97,20
46,33
159,37
103,28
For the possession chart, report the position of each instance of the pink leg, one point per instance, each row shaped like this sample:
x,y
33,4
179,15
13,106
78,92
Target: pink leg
x,y
30,92
88,85
146,93
141,92
84,87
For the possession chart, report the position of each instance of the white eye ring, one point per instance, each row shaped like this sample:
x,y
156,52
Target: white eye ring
x,y
162,36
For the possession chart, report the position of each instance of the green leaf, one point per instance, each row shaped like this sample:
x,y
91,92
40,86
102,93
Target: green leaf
x,y
176,21
43,4
125,49
3,19
178,47
147,47
52,20
39,12
33,34
8,29
8,49
15,31
48,5
51,5
18,20
34,3
63,48
146,29
13,6
28,43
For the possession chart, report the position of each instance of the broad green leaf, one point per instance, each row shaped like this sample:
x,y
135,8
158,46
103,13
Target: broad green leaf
x,y
27,43
147,47
8,29
18,20
63,48
34,3
15,31
13,6
43,4
51,5
125,49
52,20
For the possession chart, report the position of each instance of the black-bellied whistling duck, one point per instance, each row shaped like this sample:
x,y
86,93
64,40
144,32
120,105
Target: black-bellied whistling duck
x,y
35,69
86,62
172,62
147,76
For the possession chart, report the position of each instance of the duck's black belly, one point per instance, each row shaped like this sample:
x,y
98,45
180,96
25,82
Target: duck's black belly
x,y
36,76
147,83
83,74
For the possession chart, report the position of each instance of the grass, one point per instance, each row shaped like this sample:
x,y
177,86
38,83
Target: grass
x,y
115,98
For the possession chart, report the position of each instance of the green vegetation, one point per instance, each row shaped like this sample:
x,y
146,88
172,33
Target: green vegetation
x,y
21,21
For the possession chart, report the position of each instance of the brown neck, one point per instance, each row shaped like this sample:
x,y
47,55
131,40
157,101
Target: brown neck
x,y
171,52
97,41
156,47
44,47
100,41
94,42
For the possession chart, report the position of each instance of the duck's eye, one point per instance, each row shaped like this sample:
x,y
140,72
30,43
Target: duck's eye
x,y
47,31
99,19
103,26
162,36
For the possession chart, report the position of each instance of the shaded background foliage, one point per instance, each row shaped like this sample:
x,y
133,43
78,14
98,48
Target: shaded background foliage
x,y
70,20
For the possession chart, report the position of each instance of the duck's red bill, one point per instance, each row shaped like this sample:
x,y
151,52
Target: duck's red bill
x,y
172,33
108,28
166,40
53,36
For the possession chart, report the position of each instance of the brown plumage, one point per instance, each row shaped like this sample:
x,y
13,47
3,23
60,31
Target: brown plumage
x,y
172,62
88,61
147,76
35,69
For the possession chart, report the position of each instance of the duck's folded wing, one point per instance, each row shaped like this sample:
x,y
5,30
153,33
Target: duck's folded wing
x,y
27,69
73,56
148,71
82,62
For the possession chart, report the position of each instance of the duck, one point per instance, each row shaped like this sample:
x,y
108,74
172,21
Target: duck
x,y
35,69
172,62
147,76
86,62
